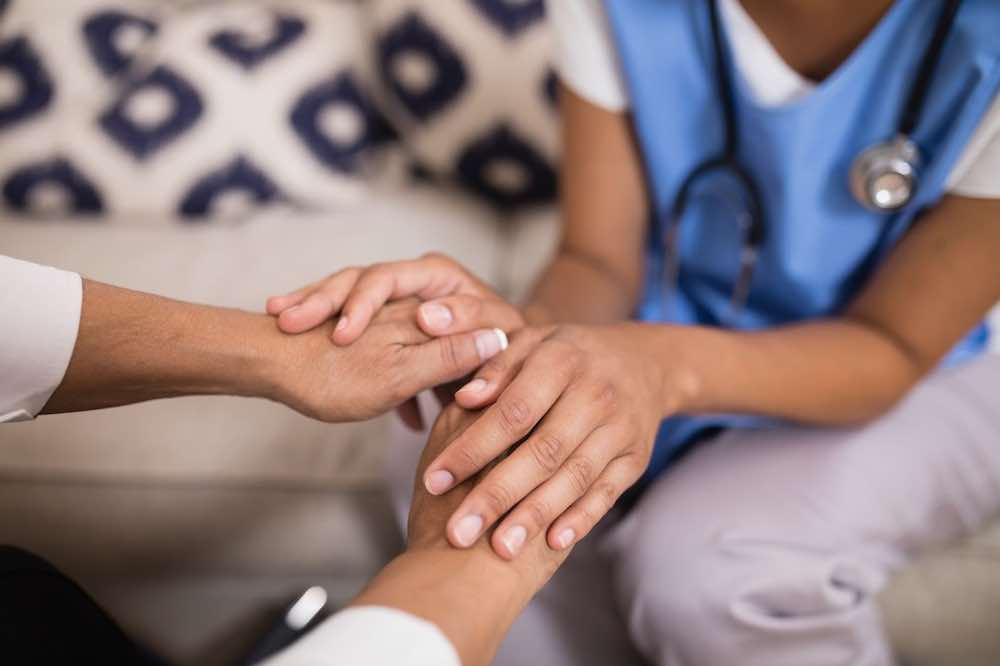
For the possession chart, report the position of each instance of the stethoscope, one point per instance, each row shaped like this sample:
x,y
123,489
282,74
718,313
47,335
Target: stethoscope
x,y
884,178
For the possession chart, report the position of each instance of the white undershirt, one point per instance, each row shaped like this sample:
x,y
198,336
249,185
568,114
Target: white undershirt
x,y
588,64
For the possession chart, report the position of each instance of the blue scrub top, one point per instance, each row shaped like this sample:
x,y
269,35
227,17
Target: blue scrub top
x,y
821,246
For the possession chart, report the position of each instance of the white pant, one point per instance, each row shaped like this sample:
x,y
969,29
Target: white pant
x,y
767,548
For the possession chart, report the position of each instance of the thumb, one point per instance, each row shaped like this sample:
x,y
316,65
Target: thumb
x,y
446,359
462,313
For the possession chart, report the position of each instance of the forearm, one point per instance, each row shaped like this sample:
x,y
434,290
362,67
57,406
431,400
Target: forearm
x,y
134,347
830,372
597,274
472,596
581,289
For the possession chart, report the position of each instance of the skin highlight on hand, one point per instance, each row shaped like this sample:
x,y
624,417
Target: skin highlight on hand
x,y
460,301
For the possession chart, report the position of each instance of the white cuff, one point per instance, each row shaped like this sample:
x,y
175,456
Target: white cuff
x,y
39,322
370,636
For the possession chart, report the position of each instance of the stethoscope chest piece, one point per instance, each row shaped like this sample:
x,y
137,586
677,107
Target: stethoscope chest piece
x,y
885,177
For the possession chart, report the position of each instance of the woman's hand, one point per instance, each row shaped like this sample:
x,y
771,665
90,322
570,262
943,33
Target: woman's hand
x,y
472,595
588,400
460,302
388,365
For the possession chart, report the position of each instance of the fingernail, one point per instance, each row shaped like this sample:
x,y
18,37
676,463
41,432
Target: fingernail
x,y
514,538
490,343
566,538
439,482
467,529
293,308
475,386
436,315
342,324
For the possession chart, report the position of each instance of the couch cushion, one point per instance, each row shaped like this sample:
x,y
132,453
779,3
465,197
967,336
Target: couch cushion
x,y
942,611
470,86
128,107
229,439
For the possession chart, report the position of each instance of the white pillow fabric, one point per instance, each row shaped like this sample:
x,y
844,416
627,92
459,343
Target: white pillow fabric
x,y
135,107
470,86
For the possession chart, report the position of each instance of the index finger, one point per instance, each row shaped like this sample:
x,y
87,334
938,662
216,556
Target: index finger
x,y
423,278
510,419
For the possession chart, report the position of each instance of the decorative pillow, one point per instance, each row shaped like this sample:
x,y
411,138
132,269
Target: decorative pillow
x,y
469,84
132,107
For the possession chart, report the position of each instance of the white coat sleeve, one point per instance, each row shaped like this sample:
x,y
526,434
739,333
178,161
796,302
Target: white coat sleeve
x,y
39,322
370,636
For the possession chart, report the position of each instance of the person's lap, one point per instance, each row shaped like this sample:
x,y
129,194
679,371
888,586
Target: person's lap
x,y
769,547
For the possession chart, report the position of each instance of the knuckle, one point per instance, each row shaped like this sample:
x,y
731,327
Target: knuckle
x,y
368,275
567,354
581,473
606,393
450,356
399,385
515,415
350,271
467,458
588,516
497,498
494,367
606,494
438,258
606,397
546,449
538,512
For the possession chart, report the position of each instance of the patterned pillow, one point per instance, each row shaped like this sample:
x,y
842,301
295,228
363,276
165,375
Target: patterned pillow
x,y
469,85
129,107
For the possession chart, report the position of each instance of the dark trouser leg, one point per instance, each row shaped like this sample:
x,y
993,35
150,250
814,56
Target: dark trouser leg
x,y
46,618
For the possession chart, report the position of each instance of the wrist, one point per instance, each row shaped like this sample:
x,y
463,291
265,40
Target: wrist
x,y
447,587
537,313
132,347
252,354
676,377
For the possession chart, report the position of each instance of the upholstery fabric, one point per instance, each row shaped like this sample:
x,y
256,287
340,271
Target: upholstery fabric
x,y
470,87
195,110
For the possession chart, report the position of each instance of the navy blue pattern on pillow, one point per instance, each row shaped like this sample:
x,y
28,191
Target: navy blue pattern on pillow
x,y
238,176
100,33
143,140
536,180
17,56
550,88
339,153
512,16
412,37
81,193
241,49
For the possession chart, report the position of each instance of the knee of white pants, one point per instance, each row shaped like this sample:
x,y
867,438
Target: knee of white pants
x,y
702,589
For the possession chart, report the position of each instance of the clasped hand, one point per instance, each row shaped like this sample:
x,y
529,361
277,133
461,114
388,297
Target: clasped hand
x,y
570,412
392,362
